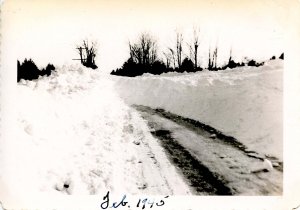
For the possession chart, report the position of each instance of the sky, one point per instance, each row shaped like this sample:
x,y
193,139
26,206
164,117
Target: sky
x,y
49,31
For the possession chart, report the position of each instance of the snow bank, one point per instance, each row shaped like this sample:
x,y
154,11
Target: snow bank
x,y
245,103
74,135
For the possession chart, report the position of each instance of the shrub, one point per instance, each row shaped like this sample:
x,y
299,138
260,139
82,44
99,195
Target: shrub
x,y
187,65
254,63
29,71
87,54
131,69
281,56
158,67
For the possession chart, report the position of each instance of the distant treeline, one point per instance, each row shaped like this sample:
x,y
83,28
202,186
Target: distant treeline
x,y
131,68
29,71
144,58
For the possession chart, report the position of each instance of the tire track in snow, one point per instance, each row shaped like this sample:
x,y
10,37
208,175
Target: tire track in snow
x,y
212,164
200,177
211,132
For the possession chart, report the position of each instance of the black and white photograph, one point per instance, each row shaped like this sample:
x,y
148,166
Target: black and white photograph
x,y
141,104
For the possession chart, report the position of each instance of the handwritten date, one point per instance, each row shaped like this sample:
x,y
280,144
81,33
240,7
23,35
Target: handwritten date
x,y
141,203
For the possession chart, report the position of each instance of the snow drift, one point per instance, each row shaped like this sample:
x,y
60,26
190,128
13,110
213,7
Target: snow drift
x,y
245,102
74,135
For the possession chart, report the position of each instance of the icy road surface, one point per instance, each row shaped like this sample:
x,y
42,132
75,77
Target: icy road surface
x,y
212,163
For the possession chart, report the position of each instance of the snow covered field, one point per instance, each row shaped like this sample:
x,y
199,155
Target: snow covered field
x,y
245,103
74,135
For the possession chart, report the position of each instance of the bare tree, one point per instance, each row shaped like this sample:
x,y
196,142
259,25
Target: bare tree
x,y
145,50
168,58
194,48
215,57
173,57
212,58
230,56
175,54
179,40
87,54
210,63
79,48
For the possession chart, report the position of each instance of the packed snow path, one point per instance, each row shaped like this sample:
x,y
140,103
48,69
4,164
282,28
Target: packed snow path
x,y
211,162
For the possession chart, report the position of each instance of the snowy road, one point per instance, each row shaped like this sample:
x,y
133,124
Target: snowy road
x,y
245,102
211,162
